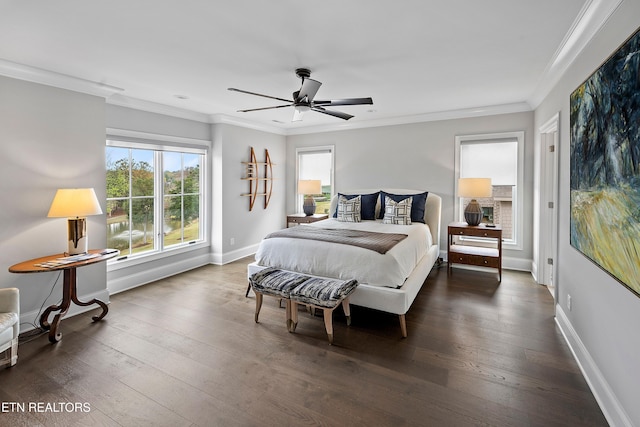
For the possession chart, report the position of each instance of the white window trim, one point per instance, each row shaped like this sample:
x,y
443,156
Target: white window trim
x,y
517,243
144,140
308,150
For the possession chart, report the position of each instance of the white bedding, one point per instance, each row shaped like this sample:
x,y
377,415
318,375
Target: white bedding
x,y
346,261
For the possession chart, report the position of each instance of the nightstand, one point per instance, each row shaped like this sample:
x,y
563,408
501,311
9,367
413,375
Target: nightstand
x,y
301,218
461,253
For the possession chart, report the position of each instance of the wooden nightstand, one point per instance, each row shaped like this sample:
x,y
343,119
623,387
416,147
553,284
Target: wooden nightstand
x,y
474,255
301,218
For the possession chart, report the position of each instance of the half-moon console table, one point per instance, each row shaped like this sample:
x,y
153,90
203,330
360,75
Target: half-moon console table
x,y
69,265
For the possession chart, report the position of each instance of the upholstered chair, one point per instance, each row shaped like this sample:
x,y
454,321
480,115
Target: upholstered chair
x,y
9,325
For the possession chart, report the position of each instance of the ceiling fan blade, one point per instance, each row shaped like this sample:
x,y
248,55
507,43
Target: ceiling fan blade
x,y
347,101
309,89
258,94
264,108
338,114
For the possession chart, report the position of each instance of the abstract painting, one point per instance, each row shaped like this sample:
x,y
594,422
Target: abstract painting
x,y
605,165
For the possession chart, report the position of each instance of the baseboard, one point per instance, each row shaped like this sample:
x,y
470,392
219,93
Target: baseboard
x,y
609,404
534,272
227,257
31,319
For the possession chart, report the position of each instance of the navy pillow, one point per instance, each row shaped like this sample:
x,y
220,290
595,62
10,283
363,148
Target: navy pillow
x,y
417,204
367,207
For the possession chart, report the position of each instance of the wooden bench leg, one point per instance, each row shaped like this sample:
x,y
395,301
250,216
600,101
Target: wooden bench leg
x,y
347,310
258,305
292,315
403,325
328,323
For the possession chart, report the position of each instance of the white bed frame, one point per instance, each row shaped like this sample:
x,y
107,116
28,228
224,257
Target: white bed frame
x,y
396,300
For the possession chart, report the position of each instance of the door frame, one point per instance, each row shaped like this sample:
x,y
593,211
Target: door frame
x,y
548,243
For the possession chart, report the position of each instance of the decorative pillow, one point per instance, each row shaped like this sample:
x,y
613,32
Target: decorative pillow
x,y
418,204
397,212
348,209
367,207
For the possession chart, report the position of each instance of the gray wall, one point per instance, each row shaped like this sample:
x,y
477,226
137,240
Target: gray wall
x,y
232,218
51,138
602,324
420,156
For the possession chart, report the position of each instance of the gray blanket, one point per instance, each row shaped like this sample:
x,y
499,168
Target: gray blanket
x,y
379,242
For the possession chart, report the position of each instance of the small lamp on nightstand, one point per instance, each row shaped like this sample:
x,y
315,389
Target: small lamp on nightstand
x,y
474,188
75,204
309,187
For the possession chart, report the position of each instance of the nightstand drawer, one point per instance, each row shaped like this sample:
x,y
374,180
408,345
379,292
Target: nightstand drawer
x,y
476,232
305,219
461,255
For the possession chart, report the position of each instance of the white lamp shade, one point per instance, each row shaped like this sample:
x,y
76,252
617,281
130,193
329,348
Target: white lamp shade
x,y
310,186
474,187
74,202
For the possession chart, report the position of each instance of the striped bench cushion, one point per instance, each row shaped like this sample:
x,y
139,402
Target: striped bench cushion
x,y
323,292
275,282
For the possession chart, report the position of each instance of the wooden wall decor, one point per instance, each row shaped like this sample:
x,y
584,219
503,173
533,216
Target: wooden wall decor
x,y
254,178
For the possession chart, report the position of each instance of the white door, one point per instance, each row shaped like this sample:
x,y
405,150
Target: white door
x,y
549,235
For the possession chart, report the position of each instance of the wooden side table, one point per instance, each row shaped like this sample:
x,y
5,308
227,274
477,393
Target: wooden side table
x,y
301,218
68,264
474,255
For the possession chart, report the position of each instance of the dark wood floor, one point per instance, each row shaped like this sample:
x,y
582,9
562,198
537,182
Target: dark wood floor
x,y
185,351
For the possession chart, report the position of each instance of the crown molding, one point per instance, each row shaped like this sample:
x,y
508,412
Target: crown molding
x,y
490,110
226,119
154,107
593,15
51,78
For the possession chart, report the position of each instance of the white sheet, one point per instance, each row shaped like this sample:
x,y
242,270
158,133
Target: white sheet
x,y
346,261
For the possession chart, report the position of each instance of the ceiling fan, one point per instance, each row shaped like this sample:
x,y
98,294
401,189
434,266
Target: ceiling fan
x,y
303,99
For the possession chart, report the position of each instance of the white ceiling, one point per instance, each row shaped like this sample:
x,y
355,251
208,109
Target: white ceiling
x,y
414,58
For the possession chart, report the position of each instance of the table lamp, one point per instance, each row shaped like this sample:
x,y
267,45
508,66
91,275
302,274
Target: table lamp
x,y
75,204
474,188
309,187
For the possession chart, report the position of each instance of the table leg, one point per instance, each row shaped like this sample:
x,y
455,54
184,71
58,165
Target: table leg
x,y
69,294
105,307
68,284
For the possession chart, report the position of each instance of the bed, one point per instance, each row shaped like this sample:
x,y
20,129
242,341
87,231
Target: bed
x,y
388,281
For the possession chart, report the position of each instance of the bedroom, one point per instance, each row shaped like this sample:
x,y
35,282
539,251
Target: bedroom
x,y
605,342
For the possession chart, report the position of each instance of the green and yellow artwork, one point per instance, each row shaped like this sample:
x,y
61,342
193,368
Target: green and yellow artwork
x,y
605,165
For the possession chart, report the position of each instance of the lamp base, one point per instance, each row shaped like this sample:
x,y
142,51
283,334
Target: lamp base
x,y
473,213
309,206
77,232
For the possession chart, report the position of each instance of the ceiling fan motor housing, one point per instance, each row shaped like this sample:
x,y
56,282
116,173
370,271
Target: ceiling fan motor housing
x,y
303,73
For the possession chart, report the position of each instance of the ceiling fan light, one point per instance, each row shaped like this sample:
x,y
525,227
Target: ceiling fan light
x,y
298,112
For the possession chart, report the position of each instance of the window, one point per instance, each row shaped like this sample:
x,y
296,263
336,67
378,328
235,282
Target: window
x,y
499,157
316,163
154,197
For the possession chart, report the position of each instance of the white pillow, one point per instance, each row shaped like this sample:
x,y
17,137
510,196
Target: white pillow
x,y
349,209
397,212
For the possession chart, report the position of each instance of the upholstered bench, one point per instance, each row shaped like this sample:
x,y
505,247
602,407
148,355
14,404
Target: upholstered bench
x,y
275,283
294,288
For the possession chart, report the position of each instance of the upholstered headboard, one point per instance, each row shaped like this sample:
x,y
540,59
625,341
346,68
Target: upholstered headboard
x,y
432,211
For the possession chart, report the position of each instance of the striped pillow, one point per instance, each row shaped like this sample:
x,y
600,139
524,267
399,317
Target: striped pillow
x,y
397,212
349,209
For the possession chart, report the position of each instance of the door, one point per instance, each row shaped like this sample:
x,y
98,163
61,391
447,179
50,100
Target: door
x,y
549,184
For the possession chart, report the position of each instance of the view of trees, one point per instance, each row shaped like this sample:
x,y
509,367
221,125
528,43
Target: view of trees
x,y
131,198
